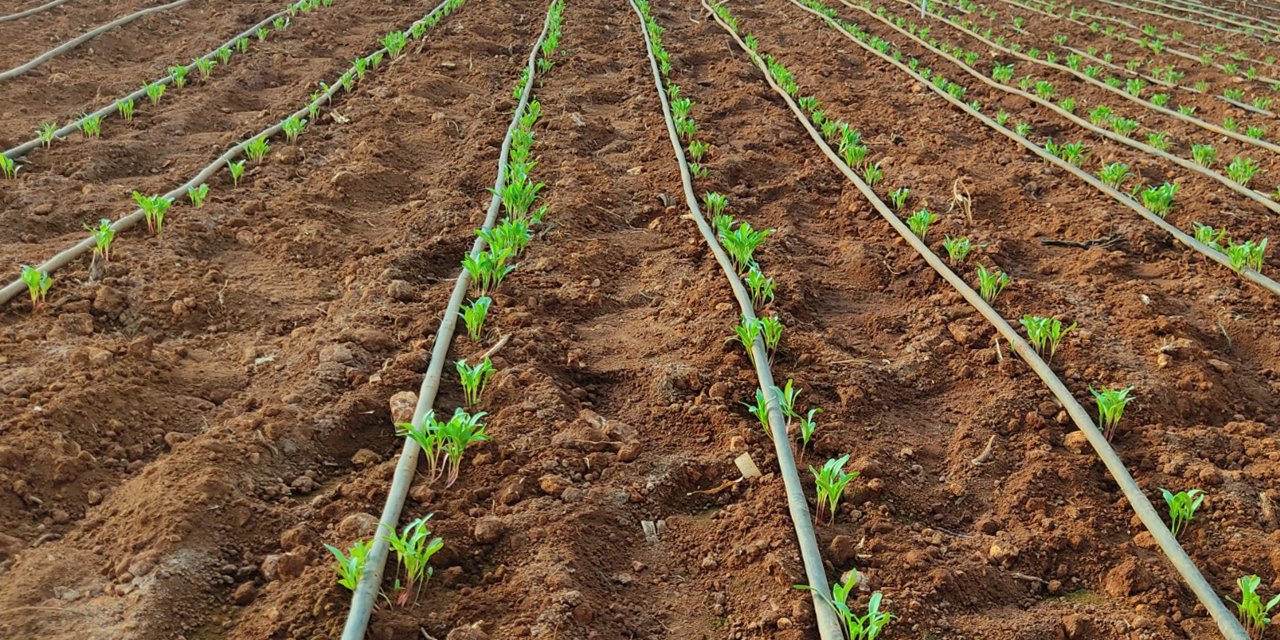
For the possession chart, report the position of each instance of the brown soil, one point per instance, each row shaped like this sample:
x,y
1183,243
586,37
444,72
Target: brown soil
x,y
180,436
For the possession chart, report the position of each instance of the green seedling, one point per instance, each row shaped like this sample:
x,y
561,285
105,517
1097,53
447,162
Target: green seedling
x,y
198,194
919,222
1123,126
460,432
90,125
1160,99
511,236
414,548
868,627
237,169
872,174
741,243
831,481
519,193
375,58
899,197
686,127
761,411
154,91
280,23
771,328
205,67
1248,254
487,269
1262,103
47,133
154,209
1003,72
1134,87
293,126
257,148
350,568
360,66
831,130
747,331
242,45
957,248
786,397
698,171
262,33
1182,508
223,54
1252,613
38,283
807,427
991,283
1255,132
1159,200
474,379
473,316
854,155
761,287
1111,404
179,75
1214,238
8,168
1068,105
1022,129
125,109
714,203
1235,95
102,234
1230,124
1242,170
1159,140
1204,154
1045,333
698,150
1044,90
1115,174
1101,116
680,107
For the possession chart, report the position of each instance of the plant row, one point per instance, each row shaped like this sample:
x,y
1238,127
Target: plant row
x,y
155,208
444,442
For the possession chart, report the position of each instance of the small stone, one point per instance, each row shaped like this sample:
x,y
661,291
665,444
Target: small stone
x,y
403,405
365,457
339,353
1076,442
76,324
1077,626
1220,366
358,525
1127,579
552,484
401,291
488,530
283,566
628,452
244,594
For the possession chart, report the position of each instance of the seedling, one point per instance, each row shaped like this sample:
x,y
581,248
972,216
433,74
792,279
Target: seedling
x,y
487,269
761,411
280,23
414,548
741,243
1159,140
460,432
1101,116
1045,333
831,481
714,203
205,66
474,379
698,150
8,167
1250,609
899,197
154,209
686,127
991,283
257,148
1044,90
1134,87
1159,200
1248,254
237,169
511,236
473,315
103,234
872,173
293,126
38,283
786,397
1204,154
1111,404
242,45
957,248
1230,124
198,194
90,125
262,33
125,109
47,133
1242,170
868,627
1124,126
761,287
747,331
680,107
350,568
179,75
223,54
1114,174
1003,72
154,91
698,171
807,426
1214,238
1182,508
771,328
1022,129
919,222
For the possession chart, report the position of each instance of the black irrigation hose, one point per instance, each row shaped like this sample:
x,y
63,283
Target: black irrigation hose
x,y
61,259
30,145
1150,518
1256,196
1179,235
365,595
829,625
32,11
85,37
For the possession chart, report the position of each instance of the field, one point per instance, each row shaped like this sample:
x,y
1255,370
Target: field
x,y
1017,253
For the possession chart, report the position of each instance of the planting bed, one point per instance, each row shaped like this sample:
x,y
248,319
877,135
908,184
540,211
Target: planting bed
x,y
184,428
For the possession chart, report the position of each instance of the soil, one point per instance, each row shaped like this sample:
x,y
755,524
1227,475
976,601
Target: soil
x,y
182,432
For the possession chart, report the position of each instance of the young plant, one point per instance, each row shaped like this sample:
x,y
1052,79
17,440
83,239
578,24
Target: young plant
x,y
179,75
223,54
237,170
154,209
102,234
831,481
919,222
1255,132
868,627
698,150
899,197
262,34
1254,616
293,126
761,287
257,148
991,283
747,331
1214,238
1182,508
957,248
474,379
473,316
1159,200
714,203
350,568
487,269
395,42
741,243
414,548
807,427
90,126
242,45
1045,333
872,173
1044,89
454,436
771,328
1248,254
47,133
154,91
205,67
1159,140
8,168
1114,174
1124,126
125,109
198,194
761,411
38,283
1111,404
1204,154
1242,170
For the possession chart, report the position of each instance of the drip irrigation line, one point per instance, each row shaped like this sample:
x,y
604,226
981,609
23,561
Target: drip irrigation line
x,y
63,258
1223,14
1179,235
1223,29
365,595
829,625
105,111
1208,126
32,11
1260,198
85,37
1227,623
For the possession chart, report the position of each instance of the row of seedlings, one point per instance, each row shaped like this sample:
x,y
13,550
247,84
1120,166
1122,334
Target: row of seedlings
x,y
1043,333
90,125
155,208
1153,202
740,240
444,442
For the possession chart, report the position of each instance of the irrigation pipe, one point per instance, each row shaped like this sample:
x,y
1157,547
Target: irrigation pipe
x,y
1077,120
105,111
32,11
1227,624
1208,126
1216,14
829,625
61,259
365,595
1217,256
1218,27
85,37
